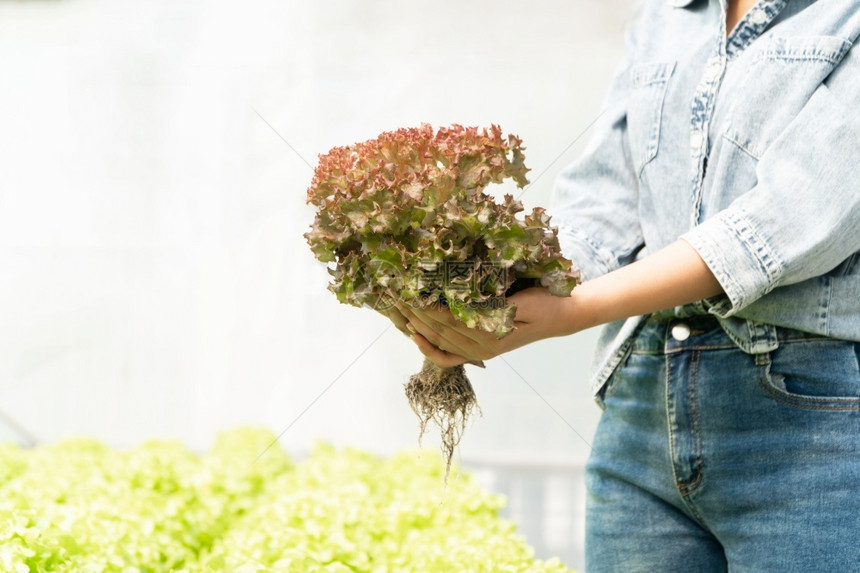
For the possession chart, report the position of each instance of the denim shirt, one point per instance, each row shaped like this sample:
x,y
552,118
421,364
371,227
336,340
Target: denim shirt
x,y
748,148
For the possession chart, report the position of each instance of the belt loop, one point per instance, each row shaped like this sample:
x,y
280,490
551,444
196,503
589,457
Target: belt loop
x,y
763,337
762,358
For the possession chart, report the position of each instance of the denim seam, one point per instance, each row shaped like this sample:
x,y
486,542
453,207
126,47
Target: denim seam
x,y
799,57
704,347
612,384
758,247
744,148
817,54
694,513
661,74
687,488
825,319
669,417
696,416
701,347
805,58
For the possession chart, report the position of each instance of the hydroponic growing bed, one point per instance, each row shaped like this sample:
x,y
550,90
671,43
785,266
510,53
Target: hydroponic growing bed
x,y
81,506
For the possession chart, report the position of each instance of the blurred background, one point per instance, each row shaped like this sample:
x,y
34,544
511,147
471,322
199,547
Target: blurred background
x,y
154,282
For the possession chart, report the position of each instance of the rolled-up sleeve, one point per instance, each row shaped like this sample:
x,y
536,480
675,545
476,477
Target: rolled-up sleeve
x,y
802,219
596,197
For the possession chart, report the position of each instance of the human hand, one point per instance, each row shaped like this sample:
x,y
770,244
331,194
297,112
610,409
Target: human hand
x,y
675,275
395,316
448,342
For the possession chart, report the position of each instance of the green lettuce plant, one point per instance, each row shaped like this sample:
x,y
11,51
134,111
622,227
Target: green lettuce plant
x,y
406,217
80,507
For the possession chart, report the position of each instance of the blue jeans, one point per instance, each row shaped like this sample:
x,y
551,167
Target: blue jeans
x,y
710,459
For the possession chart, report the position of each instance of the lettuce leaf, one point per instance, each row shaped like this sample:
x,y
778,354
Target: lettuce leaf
x,y
406,217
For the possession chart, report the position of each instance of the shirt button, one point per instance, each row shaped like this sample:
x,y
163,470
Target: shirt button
x,y
713,69
697,138
758,17
680,332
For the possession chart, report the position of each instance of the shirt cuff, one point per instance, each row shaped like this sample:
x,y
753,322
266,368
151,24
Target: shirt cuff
x,y
740,257
583,253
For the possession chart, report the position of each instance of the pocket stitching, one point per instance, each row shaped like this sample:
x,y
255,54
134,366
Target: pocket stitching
x,y
786,50
780,48
734,139
655,75
831,403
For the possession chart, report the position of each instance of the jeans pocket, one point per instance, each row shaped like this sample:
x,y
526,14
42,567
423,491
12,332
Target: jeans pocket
x,y
815,374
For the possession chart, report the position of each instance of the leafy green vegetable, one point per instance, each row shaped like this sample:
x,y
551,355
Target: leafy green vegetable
x,y
81,507
406,217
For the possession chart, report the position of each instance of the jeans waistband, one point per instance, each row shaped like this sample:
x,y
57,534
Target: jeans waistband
x,y
699,328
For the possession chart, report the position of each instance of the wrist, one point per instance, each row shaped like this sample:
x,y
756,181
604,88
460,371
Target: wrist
x,y
672,276
579,311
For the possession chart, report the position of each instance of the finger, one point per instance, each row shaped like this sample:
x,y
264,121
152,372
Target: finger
x,y
443,336
437,356
436,313
442,322
396,317
478,363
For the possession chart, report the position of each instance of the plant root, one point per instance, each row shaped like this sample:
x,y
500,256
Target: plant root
x,y
446,397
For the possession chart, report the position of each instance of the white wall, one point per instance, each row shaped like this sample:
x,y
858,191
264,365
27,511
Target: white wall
x,y
153,277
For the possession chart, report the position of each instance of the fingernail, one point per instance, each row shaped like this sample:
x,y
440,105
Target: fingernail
x,y
410,328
